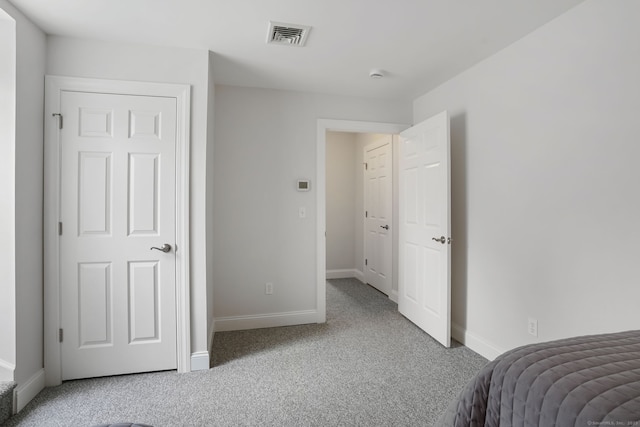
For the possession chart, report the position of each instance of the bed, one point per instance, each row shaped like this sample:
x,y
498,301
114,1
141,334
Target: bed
x,y
583,381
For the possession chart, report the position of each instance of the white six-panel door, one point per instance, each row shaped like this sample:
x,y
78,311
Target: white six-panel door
x,y
117,295
378,214
424,279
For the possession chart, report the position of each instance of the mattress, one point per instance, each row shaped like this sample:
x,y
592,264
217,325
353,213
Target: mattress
x,y
582,381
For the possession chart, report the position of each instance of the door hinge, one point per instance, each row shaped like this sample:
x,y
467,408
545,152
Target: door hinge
x,y
60,229
366,214
366,262
59,116
366,166
60,334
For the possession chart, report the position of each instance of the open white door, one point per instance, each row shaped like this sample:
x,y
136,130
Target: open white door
x,y
378,214
424,279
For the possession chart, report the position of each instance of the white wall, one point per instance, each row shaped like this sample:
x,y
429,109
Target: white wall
x,y
31,51
341,201
22,158
7,195
545,177
266,140
345,197
121,61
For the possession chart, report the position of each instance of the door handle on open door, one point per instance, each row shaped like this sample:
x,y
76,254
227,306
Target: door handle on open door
x,y
165,248
386,227
442,239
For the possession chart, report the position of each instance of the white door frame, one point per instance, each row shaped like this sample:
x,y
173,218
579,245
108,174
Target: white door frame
x,y
54,86
325,125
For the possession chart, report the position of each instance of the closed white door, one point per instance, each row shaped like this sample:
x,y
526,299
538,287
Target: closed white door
x,y
378,214
117,295
424,277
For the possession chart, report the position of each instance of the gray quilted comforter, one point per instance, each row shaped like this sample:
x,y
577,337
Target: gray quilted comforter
x,y
583,381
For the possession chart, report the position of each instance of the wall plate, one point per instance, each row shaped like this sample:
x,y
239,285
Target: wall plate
x,y
303,185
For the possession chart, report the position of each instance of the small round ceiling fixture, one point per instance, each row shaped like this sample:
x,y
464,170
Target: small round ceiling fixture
x,y
376,74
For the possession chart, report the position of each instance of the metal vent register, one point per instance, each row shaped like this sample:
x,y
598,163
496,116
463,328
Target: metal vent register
x,y
289,34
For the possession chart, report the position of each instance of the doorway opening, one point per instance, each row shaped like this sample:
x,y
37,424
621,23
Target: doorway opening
x,y
324,128
361,209
424,205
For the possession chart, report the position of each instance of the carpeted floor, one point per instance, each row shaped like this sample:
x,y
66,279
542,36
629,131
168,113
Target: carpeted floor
x,y
367,366
6,399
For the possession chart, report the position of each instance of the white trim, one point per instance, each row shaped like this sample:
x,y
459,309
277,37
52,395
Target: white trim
x,y
360,276
321,223
7,370
393,296
344,273
200,361
211,334
325,125
183,212
475,343
24,393
54,86
238,323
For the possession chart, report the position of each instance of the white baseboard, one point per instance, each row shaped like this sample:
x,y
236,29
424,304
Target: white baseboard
x,y
346,273
27,391
393,296
200,361
7,370
238,323
475,343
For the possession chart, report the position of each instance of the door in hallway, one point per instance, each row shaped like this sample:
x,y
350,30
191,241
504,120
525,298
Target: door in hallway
x,y
378,213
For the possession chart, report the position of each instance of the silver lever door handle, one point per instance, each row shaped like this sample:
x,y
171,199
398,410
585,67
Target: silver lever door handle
x,y
165,248
386,227
442,239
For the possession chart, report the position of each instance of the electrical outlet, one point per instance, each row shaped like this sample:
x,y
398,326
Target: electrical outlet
x,y
532,326
268,288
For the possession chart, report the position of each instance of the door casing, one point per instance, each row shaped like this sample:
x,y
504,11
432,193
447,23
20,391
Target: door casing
x,y
54,86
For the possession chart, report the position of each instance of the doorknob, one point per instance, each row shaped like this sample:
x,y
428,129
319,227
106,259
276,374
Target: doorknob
x,y
386,227
442,239
165,248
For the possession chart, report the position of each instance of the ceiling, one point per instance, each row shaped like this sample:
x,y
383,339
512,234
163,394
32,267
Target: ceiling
x,y
418,44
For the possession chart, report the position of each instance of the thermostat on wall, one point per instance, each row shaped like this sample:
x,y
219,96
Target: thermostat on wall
x,y
303,185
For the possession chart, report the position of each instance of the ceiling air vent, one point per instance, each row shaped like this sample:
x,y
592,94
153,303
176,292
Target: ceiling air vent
x,y
289,34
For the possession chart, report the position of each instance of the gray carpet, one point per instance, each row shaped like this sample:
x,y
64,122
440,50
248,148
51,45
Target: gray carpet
x,y
367,366
6,399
